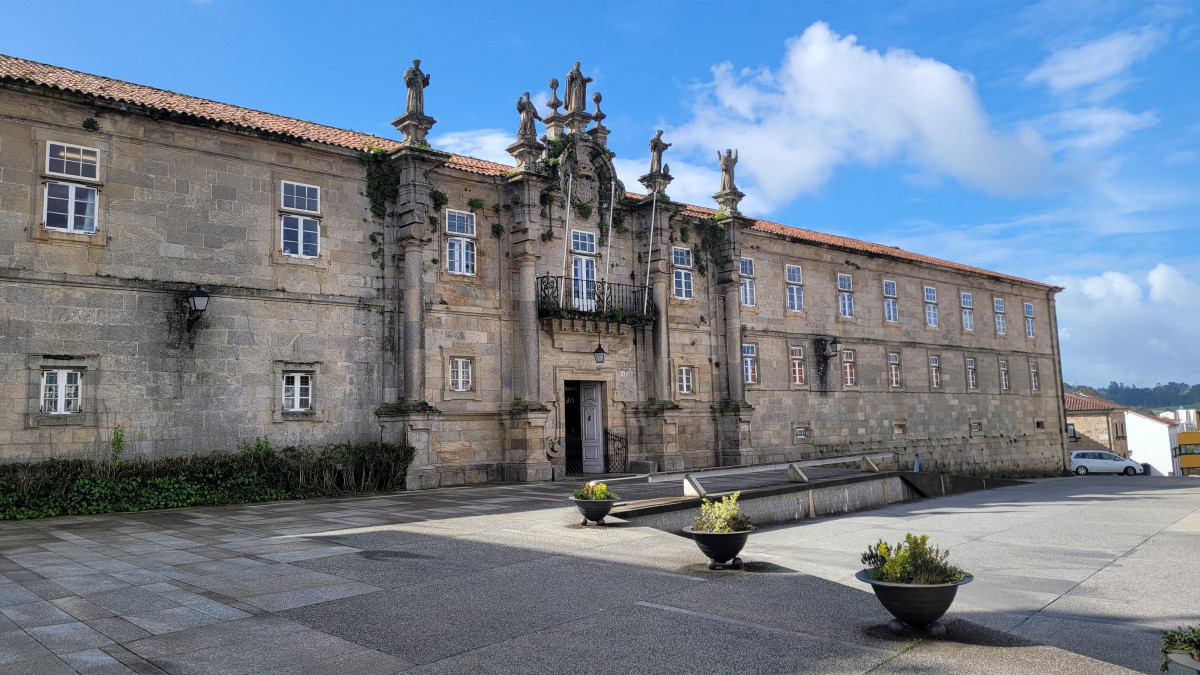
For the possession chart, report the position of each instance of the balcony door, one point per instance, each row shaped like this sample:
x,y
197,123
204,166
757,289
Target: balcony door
x,y
583,283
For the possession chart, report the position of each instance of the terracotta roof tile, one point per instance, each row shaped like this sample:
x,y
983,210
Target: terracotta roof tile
x,y
14,68
1081,403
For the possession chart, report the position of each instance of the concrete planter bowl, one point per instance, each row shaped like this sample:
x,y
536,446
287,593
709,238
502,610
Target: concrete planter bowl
x,y
918,605
593,509
1178,657
720,547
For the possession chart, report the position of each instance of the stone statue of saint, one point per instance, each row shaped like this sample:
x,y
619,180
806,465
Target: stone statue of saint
x,y
656,150
728,160
576,90
527,131
416,81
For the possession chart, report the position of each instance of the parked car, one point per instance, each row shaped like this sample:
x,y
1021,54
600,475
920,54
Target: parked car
x,y
1084,462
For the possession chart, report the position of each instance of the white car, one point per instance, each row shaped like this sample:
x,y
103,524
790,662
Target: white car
x,y
1084,462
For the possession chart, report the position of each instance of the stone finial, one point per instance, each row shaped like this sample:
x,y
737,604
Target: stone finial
x,y
657,146
598,116
554,104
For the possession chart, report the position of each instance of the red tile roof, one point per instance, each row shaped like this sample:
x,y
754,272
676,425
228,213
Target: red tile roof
x,y
1081,403
13,68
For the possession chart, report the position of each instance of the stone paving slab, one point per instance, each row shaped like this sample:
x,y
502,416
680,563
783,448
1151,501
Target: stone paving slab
x,y
1073,575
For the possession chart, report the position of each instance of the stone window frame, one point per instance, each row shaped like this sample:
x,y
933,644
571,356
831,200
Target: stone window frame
x,y
1034,382
683,281
88,365
302,221
891,303
972,373
794,287
748,293
802,433
999,309
691,371
468,259
283,183
750,371
974,426
935,371
900,427
895,371
461,374
845,290
968,320
1005,376
931,308
472,353
316,411
849,370
302,379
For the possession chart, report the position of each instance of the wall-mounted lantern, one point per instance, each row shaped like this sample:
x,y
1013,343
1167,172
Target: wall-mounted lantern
x,y
197,303
599,353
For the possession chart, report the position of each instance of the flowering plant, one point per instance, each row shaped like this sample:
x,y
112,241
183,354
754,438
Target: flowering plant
x,y
595,490
722,516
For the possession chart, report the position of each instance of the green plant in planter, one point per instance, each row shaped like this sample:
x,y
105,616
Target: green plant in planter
x,y
595,490
1182,640
911,561
722,516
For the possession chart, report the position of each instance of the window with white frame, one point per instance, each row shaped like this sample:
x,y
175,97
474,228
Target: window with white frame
x,y
1003,375
998,305
1033,376
583,270
297,392
965,299
935,371
849,376
460,374
1029,328
931,310
61,391
893,369
1029,309
972,375
682,258
301,197
301,237
684,379
968,316
797,359
583,242
1001,320
750,363
747,270
891,308
70,207
845,295
460,242
795,292
845,282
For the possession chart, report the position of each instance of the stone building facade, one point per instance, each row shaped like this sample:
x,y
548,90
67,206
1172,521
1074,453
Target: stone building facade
x,y
363,288
1096,424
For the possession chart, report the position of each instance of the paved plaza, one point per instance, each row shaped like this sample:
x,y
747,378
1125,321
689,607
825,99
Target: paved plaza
x,y
1071,575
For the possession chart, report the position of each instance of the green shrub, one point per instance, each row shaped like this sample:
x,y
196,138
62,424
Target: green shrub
x,y
595,490
722,516
256,473
1183,640
912,561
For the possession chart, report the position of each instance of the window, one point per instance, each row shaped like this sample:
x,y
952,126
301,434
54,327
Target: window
x,y
849,377
460,242
583,242
972,375
845,282
72,160
1003,375
297,392
998,305
1029,309
889,289
976,427
684,379
935,372
893,370
1033,376
682,258
301,237
966,299
61,391
460,374
891,310
968,319
750,363
797,357
795,292
1029,329
70,207
846,304
747,269
799,434
931,316
300,197
1071,433
1001,325
930,294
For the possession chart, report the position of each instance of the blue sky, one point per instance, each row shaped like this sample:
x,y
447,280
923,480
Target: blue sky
x,y
1055,140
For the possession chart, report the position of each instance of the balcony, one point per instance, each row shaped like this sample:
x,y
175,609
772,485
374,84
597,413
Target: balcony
x,y
566,298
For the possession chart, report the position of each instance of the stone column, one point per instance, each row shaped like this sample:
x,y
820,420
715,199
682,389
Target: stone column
x,y
662,353
527,319
735,380
414,322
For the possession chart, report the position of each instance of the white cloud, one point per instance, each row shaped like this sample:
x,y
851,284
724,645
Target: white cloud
x,y
1094,62
1097,128
486,144
1112,328
834,102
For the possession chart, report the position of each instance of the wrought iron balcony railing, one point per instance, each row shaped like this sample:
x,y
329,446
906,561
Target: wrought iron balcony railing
x,y
566,298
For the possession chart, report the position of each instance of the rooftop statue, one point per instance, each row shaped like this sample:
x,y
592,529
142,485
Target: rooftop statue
x,y
576,90
527,131
416,81
728,160
657,146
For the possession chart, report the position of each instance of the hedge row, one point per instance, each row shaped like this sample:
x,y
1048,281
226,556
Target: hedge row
x,y
257,473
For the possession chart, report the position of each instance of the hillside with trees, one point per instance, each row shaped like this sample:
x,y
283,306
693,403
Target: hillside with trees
x,y
1169,395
